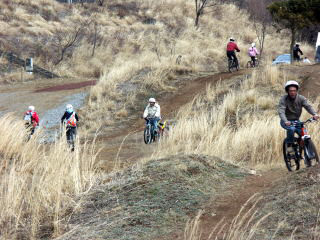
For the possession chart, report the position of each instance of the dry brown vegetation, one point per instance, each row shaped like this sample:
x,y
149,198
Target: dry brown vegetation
x,y
237,121
132,46
39,186
133,59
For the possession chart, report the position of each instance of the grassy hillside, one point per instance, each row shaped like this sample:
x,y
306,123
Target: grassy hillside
x,y
138,44
142,49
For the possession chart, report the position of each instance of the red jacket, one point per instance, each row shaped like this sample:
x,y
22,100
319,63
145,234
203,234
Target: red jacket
x,y
231,46
34,118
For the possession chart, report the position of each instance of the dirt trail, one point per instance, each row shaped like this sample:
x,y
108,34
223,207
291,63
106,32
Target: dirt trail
x,y
228,206
131,139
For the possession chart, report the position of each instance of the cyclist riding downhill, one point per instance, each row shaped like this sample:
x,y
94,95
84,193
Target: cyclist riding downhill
x,y
231,48
290,109
31,119
70,120
253,52
152,114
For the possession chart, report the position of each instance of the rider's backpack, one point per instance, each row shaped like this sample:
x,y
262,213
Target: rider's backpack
x,y
72,121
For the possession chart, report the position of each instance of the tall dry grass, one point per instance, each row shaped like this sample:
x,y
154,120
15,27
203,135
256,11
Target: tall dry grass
x,y
237,123
39,184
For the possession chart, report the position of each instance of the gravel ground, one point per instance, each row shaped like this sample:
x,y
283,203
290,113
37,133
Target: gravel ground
x,y
50,120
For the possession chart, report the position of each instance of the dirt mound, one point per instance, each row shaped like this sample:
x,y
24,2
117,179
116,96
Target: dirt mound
x,y
153,200
309,74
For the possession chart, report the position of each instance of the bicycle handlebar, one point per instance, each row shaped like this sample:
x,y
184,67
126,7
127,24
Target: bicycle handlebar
x,y
303,122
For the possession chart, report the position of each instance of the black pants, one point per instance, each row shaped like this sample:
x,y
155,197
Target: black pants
x,y
232,55
71,136
296,57
253,59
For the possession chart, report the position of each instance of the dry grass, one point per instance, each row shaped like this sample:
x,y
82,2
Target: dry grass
x,y
39,185
242,227
237,123
133,60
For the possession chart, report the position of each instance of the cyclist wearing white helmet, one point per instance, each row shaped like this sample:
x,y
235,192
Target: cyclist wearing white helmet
x,y
152,113
290,109
70,119
31,119
253,52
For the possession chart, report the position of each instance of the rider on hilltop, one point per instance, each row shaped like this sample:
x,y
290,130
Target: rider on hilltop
x,y
253,52
290,109
296,50
152,113
231,48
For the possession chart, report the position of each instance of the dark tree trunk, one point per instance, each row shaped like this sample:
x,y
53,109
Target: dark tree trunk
x,y
293,40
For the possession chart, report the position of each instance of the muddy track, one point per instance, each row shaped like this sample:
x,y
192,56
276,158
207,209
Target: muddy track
x,y
170,105
67,86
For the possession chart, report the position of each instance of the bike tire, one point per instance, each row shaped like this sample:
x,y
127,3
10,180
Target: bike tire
x,y
249,65
230,65
147,135
310,153
292,163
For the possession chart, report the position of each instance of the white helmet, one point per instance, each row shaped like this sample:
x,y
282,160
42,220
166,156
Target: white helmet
x,y
31,108
232,39
152,100
290,84
253,44
69,107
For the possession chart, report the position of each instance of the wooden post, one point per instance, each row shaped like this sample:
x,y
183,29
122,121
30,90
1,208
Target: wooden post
x,y
22,70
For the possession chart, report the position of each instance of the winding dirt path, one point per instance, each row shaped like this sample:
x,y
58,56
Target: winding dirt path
x,y
126,145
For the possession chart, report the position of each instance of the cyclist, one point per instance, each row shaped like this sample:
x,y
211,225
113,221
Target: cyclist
x,y
70,119
296,50
152,114
231,47
31,120
253,52
290,109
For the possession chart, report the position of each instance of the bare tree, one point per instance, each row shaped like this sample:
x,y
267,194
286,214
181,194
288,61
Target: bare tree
x,y
65,42
95,36
201,5
261,19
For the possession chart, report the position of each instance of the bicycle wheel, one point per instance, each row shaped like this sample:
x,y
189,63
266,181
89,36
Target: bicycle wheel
x,y
147,137
249,64
230,63
310,153
291,160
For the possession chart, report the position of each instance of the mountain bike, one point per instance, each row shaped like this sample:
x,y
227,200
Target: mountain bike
x,y
233,65
292,153
149,133
251,65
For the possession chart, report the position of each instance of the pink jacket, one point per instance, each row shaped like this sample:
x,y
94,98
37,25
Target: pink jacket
x,y
253,52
